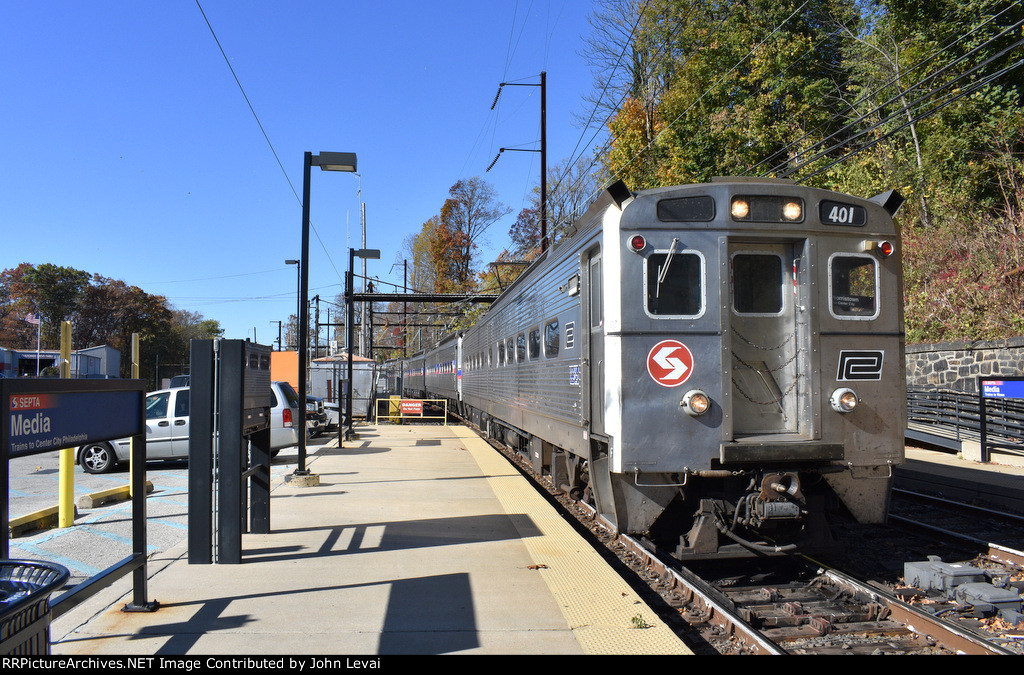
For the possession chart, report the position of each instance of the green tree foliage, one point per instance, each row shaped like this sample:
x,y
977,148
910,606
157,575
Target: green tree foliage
x,y
860,96
739,82
55,294
16,294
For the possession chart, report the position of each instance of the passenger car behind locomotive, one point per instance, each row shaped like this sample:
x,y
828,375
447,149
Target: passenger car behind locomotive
x,y
718,368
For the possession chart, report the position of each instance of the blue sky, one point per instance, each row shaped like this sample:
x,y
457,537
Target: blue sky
x,y
128,149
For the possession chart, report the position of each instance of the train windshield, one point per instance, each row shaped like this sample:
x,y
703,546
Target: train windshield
x,y
853,286
757,283
675,284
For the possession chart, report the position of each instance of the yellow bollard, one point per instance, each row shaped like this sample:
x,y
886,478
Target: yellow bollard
x,y
66,495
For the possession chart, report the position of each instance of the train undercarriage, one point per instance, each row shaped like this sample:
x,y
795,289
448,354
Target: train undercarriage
x,y
704,515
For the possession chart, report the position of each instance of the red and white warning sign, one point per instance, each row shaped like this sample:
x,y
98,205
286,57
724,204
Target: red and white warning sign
x,y
412,407
670,363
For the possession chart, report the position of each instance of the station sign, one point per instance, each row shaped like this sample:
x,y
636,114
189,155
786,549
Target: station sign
x,y
1004,388
44,415
993,389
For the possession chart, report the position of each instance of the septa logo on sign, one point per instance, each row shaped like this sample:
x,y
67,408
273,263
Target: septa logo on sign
x,y
670,363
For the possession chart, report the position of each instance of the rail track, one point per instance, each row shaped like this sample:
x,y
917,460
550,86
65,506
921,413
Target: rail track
x,y
966,522
776,606
797,606
998,538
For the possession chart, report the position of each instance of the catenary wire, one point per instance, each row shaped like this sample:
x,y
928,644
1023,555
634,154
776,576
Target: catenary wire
x,y
263,131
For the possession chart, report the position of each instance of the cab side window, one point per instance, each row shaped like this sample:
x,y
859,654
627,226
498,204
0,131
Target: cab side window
x,y
853,286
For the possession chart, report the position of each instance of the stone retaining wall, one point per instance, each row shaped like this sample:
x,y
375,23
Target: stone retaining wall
x,y
957,365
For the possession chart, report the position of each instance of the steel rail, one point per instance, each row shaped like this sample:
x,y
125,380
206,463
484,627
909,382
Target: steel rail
x,y
715,610
934,627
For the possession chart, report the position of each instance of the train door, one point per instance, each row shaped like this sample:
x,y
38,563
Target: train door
x,y
595,313
458,369
769,387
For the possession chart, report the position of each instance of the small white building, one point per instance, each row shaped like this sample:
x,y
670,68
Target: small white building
x,y
91,362
326,374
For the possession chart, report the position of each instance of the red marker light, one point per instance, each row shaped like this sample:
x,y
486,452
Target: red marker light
x,y
637,242
886,248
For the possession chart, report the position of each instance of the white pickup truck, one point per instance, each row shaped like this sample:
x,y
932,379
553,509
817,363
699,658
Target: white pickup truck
x,y
167,428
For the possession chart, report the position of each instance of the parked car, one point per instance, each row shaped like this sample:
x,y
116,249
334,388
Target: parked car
x,y
167,426
316,416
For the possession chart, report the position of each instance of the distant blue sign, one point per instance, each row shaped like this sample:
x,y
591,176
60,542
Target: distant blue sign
x,y
1002,388
42,421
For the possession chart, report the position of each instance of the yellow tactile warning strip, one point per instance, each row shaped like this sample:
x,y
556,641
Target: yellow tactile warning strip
x,y
604,613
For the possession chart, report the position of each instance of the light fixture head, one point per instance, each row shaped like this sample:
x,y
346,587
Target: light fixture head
x,y
335,161
695,403
843,400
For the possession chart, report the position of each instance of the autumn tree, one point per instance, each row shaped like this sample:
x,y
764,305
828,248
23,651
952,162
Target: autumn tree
x,y
102,311
571,189
468,213
442,256
16,302
55,293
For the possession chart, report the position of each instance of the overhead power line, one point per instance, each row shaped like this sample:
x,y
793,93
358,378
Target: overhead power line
x,y
264,131
901,94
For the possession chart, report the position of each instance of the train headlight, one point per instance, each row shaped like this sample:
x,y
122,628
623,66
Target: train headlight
x,y
843,400
792,211
695,403
740,208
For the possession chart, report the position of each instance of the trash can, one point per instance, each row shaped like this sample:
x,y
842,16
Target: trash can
x,y
25,588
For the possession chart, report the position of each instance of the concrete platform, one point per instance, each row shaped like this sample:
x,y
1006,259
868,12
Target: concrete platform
x,y
998,484
417,540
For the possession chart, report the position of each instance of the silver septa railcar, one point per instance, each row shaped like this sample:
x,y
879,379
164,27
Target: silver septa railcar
x,y
717,367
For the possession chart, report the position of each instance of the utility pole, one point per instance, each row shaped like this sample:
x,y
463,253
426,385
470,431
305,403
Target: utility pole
x,y
316,340
278,334
362,309
405,311
543,151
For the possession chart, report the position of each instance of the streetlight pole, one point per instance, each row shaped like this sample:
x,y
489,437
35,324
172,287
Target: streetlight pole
x,y
365,254
327,161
